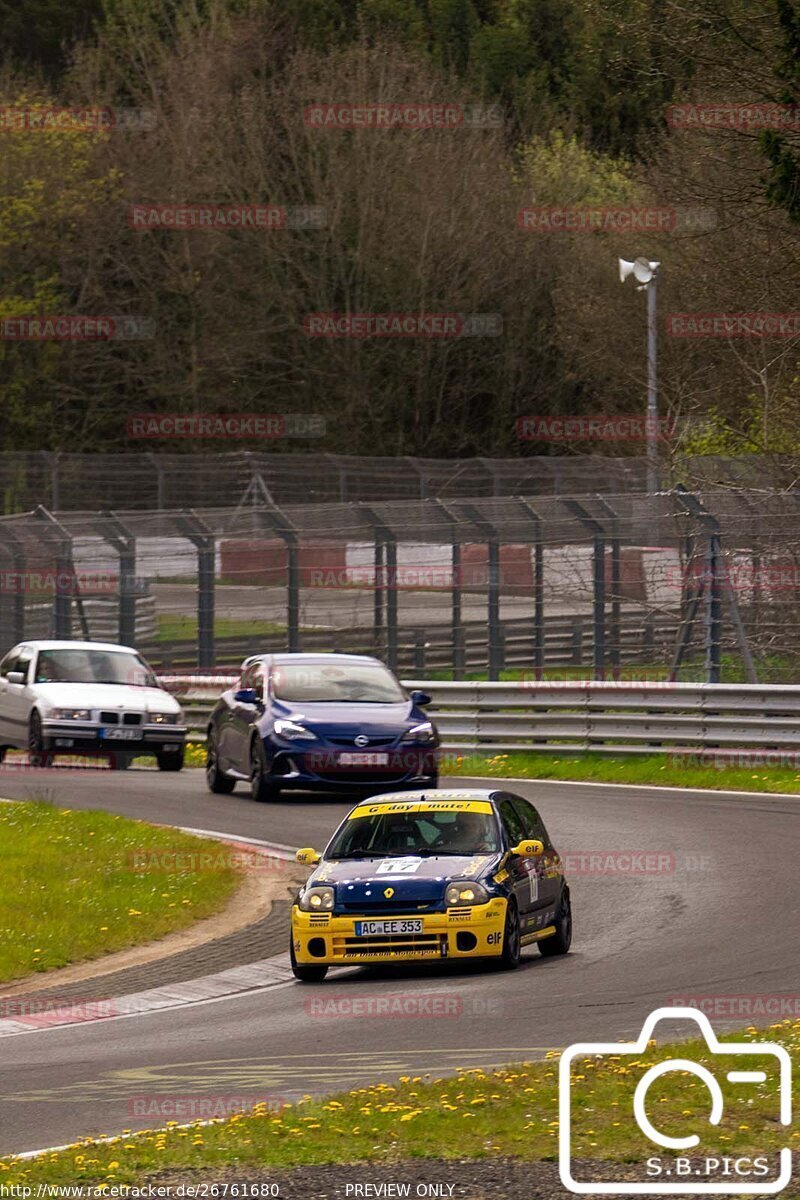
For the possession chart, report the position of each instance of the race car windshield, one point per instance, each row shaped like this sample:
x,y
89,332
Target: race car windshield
x,y
318,683
399,835
93,666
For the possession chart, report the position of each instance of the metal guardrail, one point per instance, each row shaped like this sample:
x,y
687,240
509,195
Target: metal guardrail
x,y
640,717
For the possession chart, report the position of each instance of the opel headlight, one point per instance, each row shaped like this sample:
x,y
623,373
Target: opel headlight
x,y
317,899
420,735
71,714
294,732
457,894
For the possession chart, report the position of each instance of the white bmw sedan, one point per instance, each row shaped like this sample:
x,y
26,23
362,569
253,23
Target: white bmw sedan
x,y
93,698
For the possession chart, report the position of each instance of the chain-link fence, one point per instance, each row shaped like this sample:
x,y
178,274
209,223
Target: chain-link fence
x,y
622,586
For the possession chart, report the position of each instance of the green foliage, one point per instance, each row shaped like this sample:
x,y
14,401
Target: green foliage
x,y
39,31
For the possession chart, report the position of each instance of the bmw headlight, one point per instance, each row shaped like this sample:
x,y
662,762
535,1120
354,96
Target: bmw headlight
x,y
162,718
294,732
457,894
71,714
420,735
317,899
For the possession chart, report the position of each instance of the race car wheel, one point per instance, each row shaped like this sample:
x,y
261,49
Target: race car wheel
x,y
37,755
306,972
561,940
120,762
512,947
262,788
216,780
169,760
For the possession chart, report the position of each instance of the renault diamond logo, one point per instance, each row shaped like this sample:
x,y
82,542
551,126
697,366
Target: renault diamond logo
x,y
388,893
362,740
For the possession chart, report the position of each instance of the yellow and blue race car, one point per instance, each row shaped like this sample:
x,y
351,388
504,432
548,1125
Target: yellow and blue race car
x,y
431,875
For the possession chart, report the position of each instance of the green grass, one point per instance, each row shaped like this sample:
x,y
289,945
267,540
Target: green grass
x,y
771,668
656,769
70,889
511,1111
651,769
173,627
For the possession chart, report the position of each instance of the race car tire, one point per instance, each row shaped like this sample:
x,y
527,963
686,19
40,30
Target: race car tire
x,y
561,940
216,780
306,972
37,755
512,945
262,788
120,762
169,760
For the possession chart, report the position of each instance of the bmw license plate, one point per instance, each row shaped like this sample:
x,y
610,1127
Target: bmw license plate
x,y
350,759
380,928
118,733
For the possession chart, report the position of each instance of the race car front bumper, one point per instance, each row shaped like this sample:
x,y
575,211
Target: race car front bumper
x,y
468,932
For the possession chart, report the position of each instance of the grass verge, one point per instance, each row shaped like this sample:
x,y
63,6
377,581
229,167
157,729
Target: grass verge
x,y
508,1112
77,885
650,769
173,627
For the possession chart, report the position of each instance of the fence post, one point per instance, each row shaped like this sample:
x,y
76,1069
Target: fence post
x,y
203,540
488,534
616,585
118,536
599,584
61,541
387,542
538,591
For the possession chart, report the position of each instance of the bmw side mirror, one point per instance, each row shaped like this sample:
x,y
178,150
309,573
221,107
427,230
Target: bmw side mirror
x,y
420,698
16,676
246,696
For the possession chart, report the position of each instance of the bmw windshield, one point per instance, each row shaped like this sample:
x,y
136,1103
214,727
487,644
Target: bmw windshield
x,y
93,666
401,834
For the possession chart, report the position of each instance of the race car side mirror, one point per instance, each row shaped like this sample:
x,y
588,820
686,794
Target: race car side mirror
x,y
308,856
246,696
530,848
420,698
16,676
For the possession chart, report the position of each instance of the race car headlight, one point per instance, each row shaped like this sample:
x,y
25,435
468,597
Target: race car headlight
x,y
294,732
465,893
71,714
420,735
316,899
162,718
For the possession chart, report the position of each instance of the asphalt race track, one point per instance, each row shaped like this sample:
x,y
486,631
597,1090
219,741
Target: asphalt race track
x,y
716,920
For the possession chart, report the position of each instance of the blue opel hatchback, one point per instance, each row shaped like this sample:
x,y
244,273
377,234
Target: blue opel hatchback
x,y
320,722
